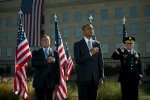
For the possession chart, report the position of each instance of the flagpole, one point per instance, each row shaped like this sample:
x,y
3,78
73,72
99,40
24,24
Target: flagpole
x,y
90,19
20,65
20,13
124,27
59,93
124,20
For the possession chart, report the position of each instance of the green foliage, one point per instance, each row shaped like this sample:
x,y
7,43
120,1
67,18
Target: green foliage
x,y
72,91
6,92
110,90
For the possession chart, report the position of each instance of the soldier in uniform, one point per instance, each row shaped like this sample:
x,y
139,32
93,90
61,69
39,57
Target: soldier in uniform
x,y
130,74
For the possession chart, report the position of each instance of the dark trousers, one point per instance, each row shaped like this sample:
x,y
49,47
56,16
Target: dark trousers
x,y
129,90
87,92
44,94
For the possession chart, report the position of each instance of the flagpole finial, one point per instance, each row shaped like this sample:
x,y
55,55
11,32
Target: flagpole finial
x,y
55,16
90,18
20,12
124,20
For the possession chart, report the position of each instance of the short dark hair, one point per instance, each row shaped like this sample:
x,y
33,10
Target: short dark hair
x,y
84,26
44,35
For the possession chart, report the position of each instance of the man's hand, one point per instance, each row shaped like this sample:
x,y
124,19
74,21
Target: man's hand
x,y
94,50
100,82
140,81
51,59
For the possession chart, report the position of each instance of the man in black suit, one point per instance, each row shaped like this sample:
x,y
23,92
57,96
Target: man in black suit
x,y
89,65
46,63
130,73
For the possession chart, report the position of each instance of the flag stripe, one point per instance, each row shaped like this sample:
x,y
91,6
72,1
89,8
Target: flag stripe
x,y
38,21
23,53
69,66
33,24
21,48
32,20
22,85
58,95
26,51
62,90
23,60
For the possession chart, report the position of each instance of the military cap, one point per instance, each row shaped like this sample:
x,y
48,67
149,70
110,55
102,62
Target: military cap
x,y
130,38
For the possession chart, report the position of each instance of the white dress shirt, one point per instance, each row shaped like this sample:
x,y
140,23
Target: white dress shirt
x,y
86,40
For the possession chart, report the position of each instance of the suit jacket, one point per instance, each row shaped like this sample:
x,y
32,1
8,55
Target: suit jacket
x,y
130,65
46,74
88,67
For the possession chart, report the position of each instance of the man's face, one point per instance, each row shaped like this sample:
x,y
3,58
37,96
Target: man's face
x,y
45,42
129,44
88,31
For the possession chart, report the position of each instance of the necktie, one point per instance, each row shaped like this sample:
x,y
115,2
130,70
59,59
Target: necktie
x,y
129,51
46,53
89,44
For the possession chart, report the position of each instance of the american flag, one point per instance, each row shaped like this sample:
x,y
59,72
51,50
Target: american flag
x,y
23,55
32,18
124,27
69,66
61,92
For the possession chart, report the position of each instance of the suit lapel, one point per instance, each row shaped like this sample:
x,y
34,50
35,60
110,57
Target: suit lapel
x,y
84,46
42,53
94,44
51,52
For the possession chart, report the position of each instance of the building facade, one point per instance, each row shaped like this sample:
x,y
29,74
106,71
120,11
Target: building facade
x,y
107,21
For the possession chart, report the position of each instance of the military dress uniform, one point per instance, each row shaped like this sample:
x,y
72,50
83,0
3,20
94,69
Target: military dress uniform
x,y
130,72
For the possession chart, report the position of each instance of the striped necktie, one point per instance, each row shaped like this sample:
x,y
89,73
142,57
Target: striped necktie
x,y
46,53
89,44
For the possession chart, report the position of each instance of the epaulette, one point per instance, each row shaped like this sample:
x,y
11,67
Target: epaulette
x,y
122,49
117,51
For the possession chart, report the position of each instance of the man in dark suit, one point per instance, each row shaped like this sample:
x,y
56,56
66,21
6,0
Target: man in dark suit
x,y
46,63
89,65
130,73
